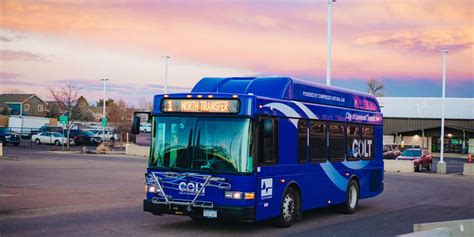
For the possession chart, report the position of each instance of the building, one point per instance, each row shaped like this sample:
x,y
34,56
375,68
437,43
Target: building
x,y
23,105
417,122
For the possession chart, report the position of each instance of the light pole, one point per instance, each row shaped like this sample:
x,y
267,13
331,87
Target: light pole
x,y
103,111
441,167
328,57
166,73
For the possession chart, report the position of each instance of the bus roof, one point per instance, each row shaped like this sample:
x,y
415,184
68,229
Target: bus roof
x,y
287,88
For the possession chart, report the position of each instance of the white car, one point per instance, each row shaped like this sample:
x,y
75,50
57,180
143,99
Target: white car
x,y
108,135
51,138
145,127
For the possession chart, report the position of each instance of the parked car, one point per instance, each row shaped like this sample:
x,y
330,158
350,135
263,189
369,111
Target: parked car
x,y
391,151
421,158
7,136
145,127
82,137
51,138
107,136
47,128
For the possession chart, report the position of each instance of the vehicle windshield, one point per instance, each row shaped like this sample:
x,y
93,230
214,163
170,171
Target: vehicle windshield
x,y
89,133
57,134
413,153
202,144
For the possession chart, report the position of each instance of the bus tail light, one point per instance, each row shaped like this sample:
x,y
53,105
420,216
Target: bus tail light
x,y
233,195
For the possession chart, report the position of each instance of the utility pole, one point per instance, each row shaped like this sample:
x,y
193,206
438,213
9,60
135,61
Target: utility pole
x,y
328,57
103,111
441,167
166,73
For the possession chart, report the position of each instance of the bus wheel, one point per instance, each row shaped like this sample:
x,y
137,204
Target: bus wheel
x,y
352,197
289,208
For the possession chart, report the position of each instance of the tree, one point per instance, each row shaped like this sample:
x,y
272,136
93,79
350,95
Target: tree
x,y
120,115
53,110
5,111
81,111
110,102
66,98
145,104
375,88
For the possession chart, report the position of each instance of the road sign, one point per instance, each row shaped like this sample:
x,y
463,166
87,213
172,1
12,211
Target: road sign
x,y
104,122
63,119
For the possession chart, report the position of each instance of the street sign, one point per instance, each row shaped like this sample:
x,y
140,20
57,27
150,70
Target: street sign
x,y
104,122
63,119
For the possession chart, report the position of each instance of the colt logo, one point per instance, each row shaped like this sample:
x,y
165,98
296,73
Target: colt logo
x,y
361,148
191,187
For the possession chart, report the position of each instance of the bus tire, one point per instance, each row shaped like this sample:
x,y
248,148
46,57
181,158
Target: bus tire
x,y
352,197
289,208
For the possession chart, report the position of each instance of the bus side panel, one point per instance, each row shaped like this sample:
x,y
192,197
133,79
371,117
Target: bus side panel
x,y
373,184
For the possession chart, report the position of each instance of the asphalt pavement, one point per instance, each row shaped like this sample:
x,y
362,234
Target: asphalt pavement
x,y
54,193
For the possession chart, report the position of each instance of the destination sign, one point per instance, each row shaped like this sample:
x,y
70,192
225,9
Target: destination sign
x,y
199,106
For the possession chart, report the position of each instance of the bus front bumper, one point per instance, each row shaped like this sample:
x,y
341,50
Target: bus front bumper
x,y
244,213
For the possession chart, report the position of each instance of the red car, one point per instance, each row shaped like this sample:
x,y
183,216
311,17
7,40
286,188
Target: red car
x,y
420,157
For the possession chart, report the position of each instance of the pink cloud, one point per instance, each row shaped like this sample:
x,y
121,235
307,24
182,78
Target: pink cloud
x,y
383,38
19,55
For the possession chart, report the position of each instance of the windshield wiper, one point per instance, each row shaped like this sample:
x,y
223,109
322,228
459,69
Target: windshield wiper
x,y
187,150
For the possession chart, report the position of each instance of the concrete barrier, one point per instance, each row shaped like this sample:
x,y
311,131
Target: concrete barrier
x,y
136,150
444,228
468,169
403,166
437,232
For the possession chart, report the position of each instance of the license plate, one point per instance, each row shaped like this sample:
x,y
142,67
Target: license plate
x,y
209,213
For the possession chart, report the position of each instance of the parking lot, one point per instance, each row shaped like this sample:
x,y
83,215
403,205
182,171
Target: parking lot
x,y
54,193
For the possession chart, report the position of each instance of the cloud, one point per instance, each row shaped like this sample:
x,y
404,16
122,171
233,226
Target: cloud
x,y
20,55
6,39
422,40
8,76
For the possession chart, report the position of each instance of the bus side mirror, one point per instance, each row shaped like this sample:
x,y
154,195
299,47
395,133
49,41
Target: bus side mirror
x,y
136,125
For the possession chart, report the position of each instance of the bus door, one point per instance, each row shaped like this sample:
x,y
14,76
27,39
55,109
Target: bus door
x,y
267,202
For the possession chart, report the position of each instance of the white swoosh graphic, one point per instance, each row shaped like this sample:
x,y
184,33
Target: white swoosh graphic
x,y
286,110
306,110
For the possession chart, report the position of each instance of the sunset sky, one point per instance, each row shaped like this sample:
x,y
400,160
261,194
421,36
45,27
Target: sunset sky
x,y
50,42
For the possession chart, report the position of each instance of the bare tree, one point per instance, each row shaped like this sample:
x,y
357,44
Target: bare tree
x,y
14,91
375,88
120,115
145,104
66,98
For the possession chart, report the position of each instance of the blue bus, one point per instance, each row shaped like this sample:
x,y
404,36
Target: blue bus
x,y
255,148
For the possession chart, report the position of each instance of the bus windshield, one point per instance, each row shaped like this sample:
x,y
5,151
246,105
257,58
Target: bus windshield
x,y
202,144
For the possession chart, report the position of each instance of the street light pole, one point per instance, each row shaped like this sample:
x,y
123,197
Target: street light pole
x,y
441,164
328,57
103,110
166,73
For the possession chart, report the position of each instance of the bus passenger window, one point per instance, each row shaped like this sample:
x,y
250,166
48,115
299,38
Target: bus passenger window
x,y
368,142
268,141
353,137
318,142
336,142
302,140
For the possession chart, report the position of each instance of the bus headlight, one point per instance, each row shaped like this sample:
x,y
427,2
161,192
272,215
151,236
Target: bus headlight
x,y
233,195
152,189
